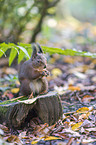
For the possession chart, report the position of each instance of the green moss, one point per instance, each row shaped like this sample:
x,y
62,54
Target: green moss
x,y
14,100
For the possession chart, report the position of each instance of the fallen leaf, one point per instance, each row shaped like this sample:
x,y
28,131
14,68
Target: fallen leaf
x,y
80,75
56,72
87,123
70,131
82,110
85,116
70,141
73,88
77,125
22,134
91,108
88,140
51,138
82,130
92,117
29,101
1,132
35,141
13,138
4,128
15,90
87,98
91,129
45,138
10,95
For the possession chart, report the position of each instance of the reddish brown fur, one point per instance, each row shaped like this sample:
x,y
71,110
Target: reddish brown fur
x,y
32,75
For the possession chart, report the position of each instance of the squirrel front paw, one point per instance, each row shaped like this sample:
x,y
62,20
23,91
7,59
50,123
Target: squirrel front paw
x,y
45,73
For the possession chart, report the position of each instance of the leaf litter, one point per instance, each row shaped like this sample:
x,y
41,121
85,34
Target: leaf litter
x,y
78,124
74,78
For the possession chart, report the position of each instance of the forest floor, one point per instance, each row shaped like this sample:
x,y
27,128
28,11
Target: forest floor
x,y
74,78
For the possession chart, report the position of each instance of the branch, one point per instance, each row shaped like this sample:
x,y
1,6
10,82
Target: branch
x,y
39,24
21,28
52,4
43,14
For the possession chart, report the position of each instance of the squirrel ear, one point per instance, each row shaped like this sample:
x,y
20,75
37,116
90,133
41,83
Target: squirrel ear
x,y
34,54
40,49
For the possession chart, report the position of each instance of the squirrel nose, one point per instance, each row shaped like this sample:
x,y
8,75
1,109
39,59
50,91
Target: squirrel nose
x,y
45,66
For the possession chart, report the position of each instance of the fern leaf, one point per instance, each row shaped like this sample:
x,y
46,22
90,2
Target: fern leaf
x,y
2,52
3,48
24,50
20,56
12,56
70,52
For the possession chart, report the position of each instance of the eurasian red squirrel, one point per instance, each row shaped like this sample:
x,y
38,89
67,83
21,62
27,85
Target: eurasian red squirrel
x,y
32,74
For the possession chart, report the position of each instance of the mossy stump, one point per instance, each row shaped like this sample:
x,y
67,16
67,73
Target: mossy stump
x,y
47,107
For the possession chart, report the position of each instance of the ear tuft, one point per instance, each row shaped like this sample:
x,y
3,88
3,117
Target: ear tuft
x,y
34,54
40,49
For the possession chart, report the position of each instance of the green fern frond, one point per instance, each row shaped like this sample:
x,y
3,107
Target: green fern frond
x,y
23,50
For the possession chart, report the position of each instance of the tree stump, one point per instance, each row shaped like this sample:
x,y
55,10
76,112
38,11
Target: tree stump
x,y
47,107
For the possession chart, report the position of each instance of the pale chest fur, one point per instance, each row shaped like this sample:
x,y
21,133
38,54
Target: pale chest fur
x,y
36,86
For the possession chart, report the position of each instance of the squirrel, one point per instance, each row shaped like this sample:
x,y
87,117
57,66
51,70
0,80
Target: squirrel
x,y
32,74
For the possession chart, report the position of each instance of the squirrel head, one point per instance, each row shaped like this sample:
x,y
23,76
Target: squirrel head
x,y
38,60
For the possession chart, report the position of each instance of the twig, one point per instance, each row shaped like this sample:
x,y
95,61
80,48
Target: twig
x,y
66,102
77,95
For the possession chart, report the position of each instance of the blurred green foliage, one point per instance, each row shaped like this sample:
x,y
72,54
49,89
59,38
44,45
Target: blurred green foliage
x,y
25,17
